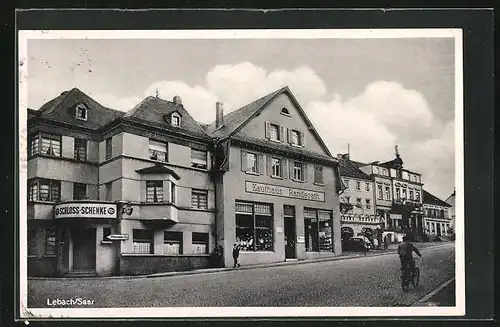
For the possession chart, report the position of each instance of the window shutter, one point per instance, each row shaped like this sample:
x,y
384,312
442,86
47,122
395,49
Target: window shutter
x,y
284,168
243,160
289,135
261,164
267,132
282,134
304,172
269,165
302,139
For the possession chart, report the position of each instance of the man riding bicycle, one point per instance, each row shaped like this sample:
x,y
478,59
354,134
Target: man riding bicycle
x,y
405,252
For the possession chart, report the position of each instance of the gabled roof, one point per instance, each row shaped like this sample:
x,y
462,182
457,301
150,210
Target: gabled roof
x,y
156,112
62,109
429,198
236,120
350,168
158,169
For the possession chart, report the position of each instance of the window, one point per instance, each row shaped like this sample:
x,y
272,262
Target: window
x,y
31,241
34,145
175,119
387,193
109,148
154,191
251,162
346,183
367,186
376,170
80,149
276,170
417,195
143,241
285,111
200,243
157,150
173,193
318,228
295,137
79,191
358,185
199,159
50,241
403,193
298,171
358,203
398,193
411,194
368,203
318,174
379,191
44,190
199,199
106,231
274,132
347,199
81,112
254,226
43,143
384,172
172,243
108,191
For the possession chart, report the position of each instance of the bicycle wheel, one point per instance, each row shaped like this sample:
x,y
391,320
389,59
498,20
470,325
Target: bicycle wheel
x,y
416,277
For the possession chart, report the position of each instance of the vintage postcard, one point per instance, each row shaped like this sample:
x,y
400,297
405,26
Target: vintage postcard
x,y
241,173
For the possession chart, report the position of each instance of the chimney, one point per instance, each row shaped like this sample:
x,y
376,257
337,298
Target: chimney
x,y
219,114
177,100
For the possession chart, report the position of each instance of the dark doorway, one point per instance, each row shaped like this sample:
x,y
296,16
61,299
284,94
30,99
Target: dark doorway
x,y
438,228
290,232
84,248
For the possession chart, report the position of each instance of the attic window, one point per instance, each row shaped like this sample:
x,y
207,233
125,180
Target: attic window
x,y
284,111
175,119
81,112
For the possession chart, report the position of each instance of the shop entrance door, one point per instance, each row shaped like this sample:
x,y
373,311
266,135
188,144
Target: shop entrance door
x,y
84,249
290,234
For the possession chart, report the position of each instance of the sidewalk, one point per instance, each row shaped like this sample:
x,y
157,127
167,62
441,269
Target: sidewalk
x,y
443,297
343,256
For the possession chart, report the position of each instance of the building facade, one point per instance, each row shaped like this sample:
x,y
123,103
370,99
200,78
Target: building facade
x,y
95,174
115,193
276,183
437,215
451,201
357,202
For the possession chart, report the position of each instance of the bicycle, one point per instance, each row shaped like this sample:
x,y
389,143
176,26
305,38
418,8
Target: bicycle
x,y
408,276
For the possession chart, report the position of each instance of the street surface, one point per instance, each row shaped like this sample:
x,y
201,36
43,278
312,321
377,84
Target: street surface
x,y
363,282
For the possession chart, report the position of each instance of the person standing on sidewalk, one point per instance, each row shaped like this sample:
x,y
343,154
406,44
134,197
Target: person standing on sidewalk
x,y
236,254
385,242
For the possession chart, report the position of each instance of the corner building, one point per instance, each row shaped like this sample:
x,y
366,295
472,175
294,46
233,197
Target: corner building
x,y
276,183
152,190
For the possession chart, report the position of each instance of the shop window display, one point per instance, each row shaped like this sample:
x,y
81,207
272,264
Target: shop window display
x,y
318,226
254,226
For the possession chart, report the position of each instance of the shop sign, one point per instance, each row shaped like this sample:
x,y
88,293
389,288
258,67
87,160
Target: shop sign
x,y
85,210
118,237
396,216
282,191
301,239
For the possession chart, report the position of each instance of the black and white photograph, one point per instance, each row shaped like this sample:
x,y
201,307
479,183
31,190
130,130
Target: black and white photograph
x,y
240,173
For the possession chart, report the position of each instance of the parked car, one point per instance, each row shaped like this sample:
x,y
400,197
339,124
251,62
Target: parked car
x,y
356,244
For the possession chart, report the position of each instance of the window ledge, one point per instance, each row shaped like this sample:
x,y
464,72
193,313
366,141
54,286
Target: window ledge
x,y
252,173
296,180
277,177
319,184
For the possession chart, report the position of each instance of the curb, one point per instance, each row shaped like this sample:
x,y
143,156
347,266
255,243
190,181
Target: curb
x,y
216,270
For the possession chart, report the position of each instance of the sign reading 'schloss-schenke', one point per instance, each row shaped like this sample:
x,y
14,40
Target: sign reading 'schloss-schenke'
x,y
85,210
288,192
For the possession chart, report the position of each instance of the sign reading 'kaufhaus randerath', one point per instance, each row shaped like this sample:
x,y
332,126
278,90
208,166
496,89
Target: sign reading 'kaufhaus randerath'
x,y
288,192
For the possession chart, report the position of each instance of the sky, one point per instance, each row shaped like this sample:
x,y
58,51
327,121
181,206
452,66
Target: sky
x,y
370,93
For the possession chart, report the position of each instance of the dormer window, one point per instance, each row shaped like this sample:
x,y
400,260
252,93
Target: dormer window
x,y
81,112
284,111
175,119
